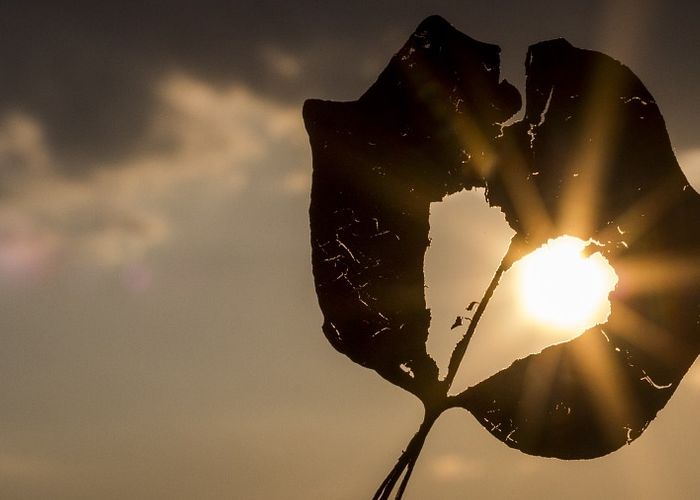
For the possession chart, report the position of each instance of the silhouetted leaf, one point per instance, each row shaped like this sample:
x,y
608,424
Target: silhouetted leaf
x,y
420,132
591,159
605,170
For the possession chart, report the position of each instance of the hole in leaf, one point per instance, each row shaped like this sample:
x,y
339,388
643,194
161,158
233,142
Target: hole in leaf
x,y
548,297
468,239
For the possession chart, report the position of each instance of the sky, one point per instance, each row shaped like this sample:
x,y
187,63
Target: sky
x,y
160,336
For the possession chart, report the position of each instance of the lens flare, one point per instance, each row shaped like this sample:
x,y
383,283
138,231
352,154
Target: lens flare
x,y
562,288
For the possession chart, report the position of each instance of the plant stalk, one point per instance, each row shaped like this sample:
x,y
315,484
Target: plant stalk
x,y
407,461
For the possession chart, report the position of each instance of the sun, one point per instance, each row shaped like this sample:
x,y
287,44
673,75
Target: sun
x,y
560,287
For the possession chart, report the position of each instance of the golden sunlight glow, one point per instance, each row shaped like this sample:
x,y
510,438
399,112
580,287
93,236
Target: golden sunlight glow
x,y
560,287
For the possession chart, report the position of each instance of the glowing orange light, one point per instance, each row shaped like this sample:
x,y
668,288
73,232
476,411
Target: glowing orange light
x,y
560,287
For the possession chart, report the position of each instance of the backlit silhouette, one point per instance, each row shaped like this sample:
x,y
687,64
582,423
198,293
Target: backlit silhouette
x,y
590,159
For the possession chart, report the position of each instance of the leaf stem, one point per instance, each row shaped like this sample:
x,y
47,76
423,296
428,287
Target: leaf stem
x,y
407,461
461,347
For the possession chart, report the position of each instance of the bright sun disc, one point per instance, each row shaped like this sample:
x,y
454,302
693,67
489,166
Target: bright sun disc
x,y
562,288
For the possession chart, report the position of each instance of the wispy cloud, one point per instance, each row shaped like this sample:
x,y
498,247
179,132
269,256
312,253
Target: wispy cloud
x,y
281,63
451,467
202,142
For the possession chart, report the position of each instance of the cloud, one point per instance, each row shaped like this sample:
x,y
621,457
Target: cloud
x,y
202,128
202,142
281,63
26,253
22,150
87,72
451,467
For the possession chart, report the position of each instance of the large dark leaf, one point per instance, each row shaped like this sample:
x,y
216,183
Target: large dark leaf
x,y
422,131
591,159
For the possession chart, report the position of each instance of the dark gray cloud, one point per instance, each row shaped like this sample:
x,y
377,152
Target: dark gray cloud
x,y
86,70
